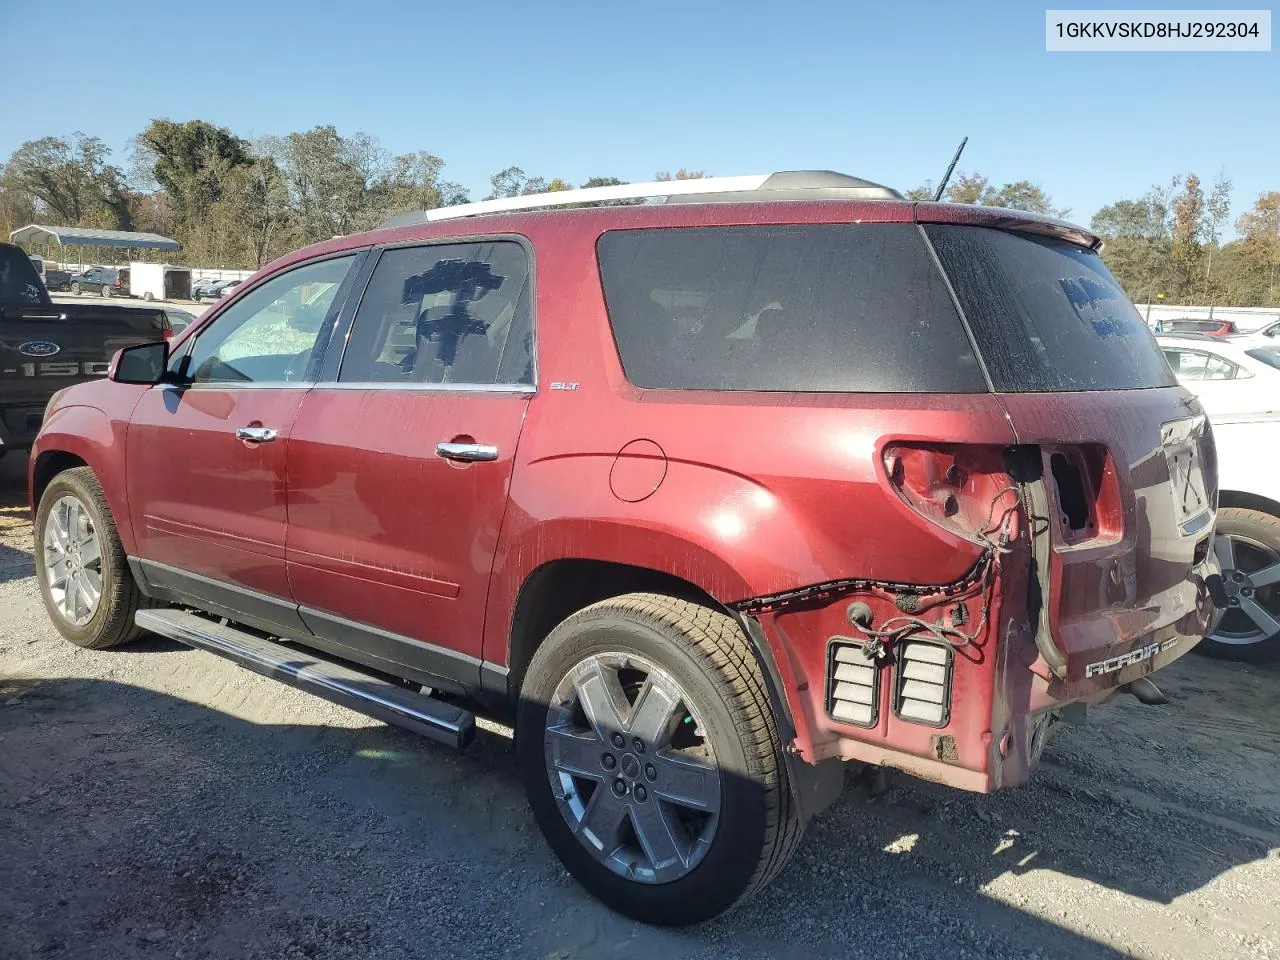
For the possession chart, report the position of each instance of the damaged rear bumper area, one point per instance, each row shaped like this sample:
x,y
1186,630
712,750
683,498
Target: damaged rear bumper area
x,y
949,682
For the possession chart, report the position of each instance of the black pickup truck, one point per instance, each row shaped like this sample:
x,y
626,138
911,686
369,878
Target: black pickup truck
x,y
45,346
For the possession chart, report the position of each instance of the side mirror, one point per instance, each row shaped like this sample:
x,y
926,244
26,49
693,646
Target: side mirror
x,y
145,363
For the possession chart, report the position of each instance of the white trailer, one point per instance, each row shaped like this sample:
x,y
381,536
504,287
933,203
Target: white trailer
x,y
159,281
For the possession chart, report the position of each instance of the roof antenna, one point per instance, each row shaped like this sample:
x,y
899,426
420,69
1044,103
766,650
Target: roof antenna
x,y
947,176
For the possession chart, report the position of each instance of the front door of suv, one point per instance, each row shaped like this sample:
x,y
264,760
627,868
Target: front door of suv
x,y
206,459
399,466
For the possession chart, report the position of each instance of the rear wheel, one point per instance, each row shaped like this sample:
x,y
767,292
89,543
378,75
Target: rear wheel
x,y
652,761
80,565
106,291
1247,544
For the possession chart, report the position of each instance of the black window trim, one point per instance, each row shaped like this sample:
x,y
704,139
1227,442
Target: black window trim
x,y
352,307
359,255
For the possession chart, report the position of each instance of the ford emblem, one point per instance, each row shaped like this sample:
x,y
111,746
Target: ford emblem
x,y
38,348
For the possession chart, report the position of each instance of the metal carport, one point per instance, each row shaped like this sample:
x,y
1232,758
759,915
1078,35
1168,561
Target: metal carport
x,y
39,234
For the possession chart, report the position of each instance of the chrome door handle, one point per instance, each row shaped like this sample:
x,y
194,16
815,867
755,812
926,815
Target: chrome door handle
x,y
467,452
255,434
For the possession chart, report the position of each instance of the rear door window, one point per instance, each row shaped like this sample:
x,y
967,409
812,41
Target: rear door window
x,y
1046,314
446,313
1190,365
798,308
1187,364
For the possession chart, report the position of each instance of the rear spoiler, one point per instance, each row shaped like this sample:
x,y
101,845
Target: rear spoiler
x,y
999,218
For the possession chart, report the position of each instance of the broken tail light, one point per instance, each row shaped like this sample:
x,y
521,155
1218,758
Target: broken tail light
x,y
963,488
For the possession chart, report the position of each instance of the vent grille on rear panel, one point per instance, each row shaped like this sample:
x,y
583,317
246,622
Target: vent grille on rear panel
x,y
923,690
853,687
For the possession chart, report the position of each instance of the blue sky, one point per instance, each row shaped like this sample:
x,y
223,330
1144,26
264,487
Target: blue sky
x,y
883,90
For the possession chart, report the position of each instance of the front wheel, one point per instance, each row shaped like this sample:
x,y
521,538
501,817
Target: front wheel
x,y
75,288
1247,544
652,761
84,577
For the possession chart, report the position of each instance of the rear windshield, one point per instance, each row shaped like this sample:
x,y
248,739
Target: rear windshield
x,y
1268,355
1046,315
811,308
19,282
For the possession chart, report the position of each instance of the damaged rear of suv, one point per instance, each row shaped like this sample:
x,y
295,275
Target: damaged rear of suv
x,y
710,495
956,451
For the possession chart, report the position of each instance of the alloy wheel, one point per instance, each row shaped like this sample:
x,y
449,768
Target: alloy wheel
x,y
73,561
632,768
1251,575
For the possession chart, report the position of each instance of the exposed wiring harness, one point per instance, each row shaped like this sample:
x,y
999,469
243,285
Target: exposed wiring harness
x,y
996,535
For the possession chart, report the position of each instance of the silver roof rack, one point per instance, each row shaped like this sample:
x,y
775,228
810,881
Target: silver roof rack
x,y
789,185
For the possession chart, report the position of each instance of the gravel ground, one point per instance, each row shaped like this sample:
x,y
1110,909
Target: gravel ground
x,y
160,802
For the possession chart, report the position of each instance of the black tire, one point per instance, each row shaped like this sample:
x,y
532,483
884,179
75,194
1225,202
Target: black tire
x,y
112,622
105,291
1257,540
75,288
706,653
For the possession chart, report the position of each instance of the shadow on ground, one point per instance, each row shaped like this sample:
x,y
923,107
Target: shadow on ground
x,y
134,823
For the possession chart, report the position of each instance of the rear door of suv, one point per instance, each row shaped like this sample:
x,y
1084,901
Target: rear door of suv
x,y
400,461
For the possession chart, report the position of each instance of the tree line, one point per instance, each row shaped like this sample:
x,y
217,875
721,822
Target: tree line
x,y
238,203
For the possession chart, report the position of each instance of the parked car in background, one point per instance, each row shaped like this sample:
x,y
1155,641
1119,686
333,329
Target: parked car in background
x,y
1268,335
179,320
1228,375
1209,328
1239,386
45,347
212,289
373,470
57,281
107,281
206,288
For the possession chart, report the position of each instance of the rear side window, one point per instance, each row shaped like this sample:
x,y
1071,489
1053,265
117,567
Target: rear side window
x,y
1046,314
445,313
1269,355
809,308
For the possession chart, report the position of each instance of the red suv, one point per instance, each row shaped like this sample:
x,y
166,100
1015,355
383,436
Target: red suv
x,y
709,496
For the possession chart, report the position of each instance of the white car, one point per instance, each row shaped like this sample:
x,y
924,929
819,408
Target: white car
x,y
1239,386
1268,336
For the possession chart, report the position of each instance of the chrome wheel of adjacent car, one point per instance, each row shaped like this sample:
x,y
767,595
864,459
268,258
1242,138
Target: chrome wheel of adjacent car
x,y
73,560
631,768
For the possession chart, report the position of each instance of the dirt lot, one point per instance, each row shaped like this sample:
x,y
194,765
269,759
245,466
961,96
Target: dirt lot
x,y
159,802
